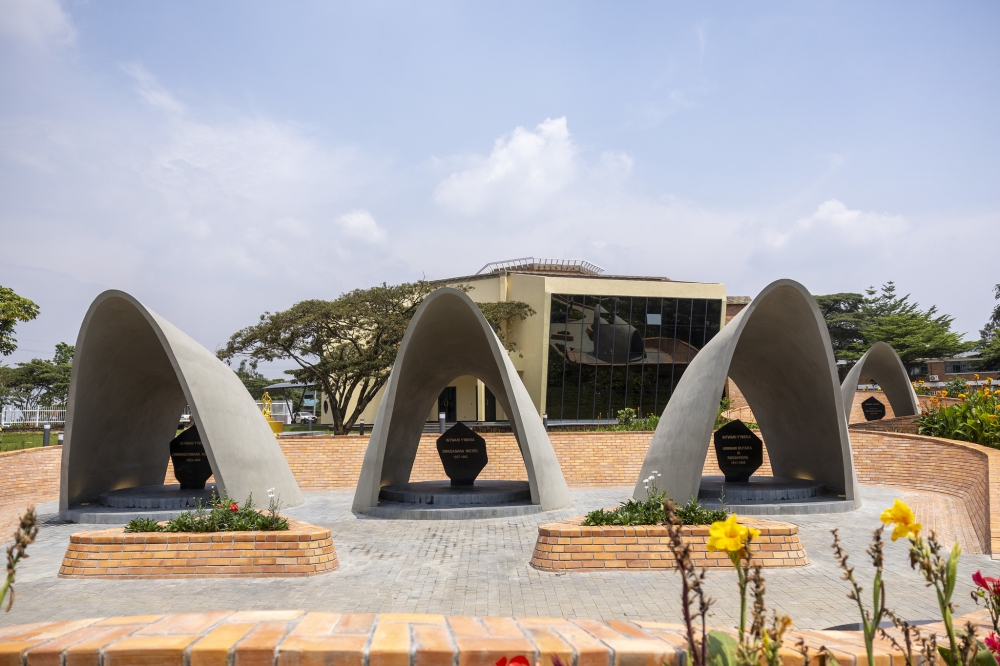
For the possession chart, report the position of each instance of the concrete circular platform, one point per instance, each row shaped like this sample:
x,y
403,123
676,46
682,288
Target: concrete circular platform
x,y
772,496
439,500
760,489
117,507
157,497
442,493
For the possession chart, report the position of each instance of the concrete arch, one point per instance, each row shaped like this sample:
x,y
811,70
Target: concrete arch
x,y
448,337
133,372
778,351
882,363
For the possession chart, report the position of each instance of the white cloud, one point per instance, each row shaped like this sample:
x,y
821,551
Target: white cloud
x,y
39,23
150,90
525,170
361,224
833,222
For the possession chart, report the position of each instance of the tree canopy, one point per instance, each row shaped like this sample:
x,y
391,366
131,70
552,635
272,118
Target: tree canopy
x,y
346,347
857,321
13,309
38,382
989,344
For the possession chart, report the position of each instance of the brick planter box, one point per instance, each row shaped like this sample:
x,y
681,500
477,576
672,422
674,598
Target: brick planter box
x,y
569,546
302,550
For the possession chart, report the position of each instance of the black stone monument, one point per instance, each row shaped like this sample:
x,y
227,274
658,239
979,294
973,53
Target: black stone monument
x,y
191,466
739,451
463,454
873,409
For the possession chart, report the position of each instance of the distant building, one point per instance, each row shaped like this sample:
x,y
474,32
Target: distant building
x,y
596,344
936,372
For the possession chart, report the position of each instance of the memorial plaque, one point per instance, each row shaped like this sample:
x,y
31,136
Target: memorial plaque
x,y
191,466
739,451
873,409
463,454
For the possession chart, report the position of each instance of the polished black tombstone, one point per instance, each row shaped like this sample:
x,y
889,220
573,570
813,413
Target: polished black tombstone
x,y
463,454
739,452
191,465
873,409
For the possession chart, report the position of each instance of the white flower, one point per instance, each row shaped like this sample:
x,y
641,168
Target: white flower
x,y
270,493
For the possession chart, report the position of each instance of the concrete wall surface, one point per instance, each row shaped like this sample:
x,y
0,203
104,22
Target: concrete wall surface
x,y
448,337
882,364
133,373
778,352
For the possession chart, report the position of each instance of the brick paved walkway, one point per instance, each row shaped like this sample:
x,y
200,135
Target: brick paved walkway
x,y
481,568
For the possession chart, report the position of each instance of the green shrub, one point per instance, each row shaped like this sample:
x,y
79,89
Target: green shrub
x,y
650,510
143,525
628,420
976,419
956,385
222,515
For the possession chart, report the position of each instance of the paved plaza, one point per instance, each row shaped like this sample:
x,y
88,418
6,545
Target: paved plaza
x,y
481,568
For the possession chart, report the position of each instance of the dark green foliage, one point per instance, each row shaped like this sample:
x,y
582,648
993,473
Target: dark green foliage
x,y
693,513
628,421
38,382
500,315
219,517
143,525
856,322
253,380
13,309
989,344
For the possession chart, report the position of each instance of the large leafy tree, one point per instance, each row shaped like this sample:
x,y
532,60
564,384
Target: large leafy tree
x,y
13,309
989,345
38,382
857,321
346,346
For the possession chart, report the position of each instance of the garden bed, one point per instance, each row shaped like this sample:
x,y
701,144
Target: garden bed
x,y
302,550
569,546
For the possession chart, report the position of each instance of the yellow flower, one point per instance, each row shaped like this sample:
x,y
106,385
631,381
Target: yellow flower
x,y
975,377
902,517
729,536
944,394
962,396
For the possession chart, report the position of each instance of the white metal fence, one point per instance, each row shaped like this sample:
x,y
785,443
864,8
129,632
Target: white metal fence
x,y
280,410
37,417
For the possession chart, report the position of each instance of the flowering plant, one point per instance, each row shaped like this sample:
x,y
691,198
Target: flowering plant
x,y
976,419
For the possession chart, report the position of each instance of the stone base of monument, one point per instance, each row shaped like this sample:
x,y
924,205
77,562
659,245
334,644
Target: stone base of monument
x,y
117,507
772,496
439,500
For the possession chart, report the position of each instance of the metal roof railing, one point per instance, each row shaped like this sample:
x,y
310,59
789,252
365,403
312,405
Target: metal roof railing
x,y
542,264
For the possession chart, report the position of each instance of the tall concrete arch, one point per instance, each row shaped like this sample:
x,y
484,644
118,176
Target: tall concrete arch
x,y
882,363
133,372
448,337
778,352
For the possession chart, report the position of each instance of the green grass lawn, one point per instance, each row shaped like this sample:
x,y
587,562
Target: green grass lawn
x,y
14,440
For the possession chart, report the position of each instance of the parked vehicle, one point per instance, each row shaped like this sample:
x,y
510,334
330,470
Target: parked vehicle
x,y
303,417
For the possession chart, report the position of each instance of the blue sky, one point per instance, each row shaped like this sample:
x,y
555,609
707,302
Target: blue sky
x,y
222,159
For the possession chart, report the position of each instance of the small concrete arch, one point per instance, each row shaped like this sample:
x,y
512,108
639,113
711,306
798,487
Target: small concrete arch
x,y
133,373
448,337
882,363
778,352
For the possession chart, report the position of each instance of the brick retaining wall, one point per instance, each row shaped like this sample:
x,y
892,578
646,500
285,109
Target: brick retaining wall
x,y
569,546
293,637
302,550
28,476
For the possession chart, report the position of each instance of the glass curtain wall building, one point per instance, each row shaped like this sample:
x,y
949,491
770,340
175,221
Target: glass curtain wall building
x,y
607,353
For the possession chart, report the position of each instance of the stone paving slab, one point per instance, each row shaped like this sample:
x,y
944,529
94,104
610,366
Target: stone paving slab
x,y
481,568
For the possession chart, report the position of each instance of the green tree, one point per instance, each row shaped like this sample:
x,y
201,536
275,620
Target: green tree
x,y
501,316
38,382
857,321
842,313
254,381
346,347
989,344
13,309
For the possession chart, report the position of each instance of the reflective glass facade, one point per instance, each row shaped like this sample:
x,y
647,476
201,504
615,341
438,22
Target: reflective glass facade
x,y
611,352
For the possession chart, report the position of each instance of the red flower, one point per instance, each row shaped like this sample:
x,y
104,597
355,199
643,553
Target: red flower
x,y
993,643
519,660
234,507
991,585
